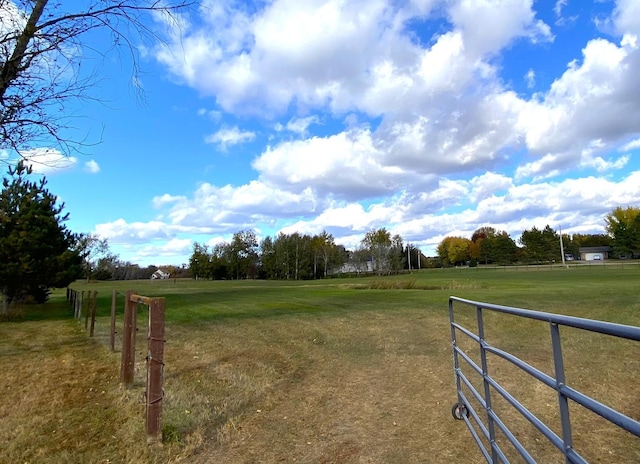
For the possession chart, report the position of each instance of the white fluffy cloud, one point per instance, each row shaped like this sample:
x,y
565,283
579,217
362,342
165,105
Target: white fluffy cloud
x,y
300,125
92,167
443,106
230,136
345,165
591,100
48,160
163,253
627,17
489,26
633,145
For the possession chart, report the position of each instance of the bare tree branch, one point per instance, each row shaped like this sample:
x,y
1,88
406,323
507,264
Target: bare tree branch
x,y
40,63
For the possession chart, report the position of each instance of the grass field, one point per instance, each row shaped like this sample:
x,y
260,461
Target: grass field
x,y
328,371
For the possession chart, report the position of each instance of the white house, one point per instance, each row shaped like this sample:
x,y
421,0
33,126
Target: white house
x,y
160,274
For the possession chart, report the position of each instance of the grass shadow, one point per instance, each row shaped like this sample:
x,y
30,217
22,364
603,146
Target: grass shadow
x,y
52,310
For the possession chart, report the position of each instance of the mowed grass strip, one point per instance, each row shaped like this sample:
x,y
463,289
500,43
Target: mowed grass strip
x,y
333,371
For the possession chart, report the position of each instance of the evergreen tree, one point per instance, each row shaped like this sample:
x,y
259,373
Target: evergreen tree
x,y
541,245
504,249
36,249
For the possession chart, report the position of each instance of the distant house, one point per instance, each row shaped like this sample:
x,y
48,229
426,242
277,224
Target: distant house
x,y
594,253
160,274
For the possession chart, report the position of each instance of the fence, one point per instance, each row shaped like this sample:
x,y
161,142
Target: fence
x,y
604,264
89,305
486,432
155,357
154,394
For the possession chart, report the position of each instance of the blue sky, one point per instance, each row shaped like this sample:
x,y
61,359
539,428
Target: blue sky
x,y
427,117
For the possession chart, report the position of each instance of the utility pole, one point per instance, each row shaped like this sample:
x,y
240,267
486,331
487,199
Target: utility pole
x,y
562,248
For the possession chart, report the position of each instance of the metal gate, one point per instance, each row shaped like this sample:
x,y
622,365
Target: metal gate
x,y
485,423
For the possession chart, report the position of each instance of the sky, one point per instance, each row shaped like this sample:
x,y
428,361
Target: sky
x,y
430,118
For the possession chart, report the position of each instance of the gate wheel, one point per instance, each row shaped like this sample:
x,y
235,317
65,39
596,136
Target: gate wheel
x,y
459,411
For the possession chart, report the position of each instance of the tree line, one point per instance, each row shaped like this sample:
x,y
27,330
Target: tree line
x,y
490,246
300,256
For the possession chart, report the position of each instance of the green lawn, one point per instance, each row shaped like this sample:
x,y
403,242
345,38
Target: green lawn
x,y
605,293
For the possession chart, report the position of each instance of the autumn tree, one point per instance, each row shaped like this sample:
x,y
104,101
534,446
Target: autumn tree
x,y
41,52
481,244
36,249
442,251
591,240
454,250
623,226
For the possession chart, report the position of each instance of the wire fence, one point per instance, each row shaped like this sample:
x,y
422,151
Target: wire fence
x,y
84,305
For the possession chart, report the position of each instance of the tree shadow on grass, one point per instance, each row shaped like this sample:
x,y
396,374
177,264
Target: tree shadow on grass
x,y
53,310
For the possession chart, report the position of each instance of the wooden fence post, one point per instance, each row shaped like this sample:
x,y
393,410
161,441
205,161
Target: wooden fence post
x,y
93,312
78,305
155,366
128,341
86,308
112,333
73,304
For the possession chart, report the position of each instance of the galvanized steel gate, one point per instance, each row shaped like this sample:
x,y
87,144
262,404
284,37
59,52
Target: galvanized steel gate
x,y
484,424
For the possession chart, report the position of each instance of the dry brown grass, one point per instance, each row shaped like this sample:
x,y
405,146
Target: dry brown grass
x,y
346,389
61,401
327,390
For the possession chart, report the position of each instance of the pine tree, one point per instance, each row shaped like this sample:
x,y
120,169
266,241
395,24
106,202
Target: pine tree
x,y
36,249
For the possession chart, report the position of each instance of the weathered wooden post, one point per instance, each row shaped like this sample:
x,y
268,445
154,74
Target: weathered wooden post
x,y
155,367
93,312
81,306
78,306
128,341
112,332
87,303
73,303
